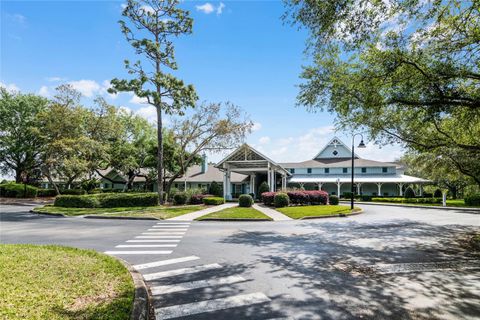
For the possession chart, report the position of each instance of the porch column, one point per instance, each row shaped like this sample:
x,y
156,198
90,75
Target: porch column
x,y
229,191
284,182
252,183
379,185
320,184
400,186
359,188
420,190
273,180
338,188
269,179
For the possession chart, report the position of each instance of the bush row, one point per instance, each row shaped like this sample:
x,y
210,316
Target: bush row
x,y
107,200
409,200
17,190
312,197
472,200
213,201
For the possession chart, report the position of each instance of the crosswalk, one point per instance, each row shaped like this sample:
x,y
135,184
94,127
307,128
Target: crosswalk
x,y
187,287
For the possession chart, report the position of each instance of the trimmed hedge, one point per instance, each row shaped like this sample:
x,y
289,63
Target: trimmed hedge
x,y
308,197
473,200
281,200
263,187
17,190
198,198
333,200
107,200
245,200
409,200
75,192
180,198
46,193
213,201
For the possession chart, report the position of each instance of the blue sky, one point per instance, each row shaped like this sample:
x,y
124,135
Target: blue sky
x,y
240,51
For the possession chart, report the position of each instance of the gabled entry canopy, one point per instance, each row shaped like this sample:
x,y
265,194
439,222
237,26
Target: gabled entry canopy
x,y
245,159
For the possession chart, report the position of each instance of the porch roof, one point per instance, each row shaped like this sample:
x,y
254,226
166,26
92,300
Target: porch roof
x,y
398,178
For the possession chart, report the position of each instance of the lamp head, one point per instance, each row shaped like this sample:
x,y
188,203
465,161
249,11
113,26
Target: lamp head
x,y
362,145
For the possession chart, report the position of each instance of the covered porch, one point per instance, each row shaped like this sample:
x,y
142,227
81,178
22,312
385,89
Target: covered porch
x,y
259,168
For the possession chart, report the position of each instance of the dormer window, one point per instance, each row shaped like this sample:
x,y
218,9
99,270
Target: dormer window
x,y
309,170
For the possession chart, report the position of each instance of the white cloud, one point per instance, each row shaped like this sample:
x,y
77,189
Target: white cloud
x,y
206,8
17,18
264,140
220,8
137,100
88,88
11,87
44,91
148,112
55,79
380,153
256,126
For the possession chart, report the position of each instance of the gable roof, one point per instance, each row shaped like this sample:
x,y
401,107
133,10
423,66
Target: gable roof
x,y
336,142
194,174
337,163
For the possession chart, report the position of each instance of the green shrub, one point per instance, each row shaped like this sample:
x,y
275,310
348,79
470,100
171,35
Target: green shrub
x,y
213,201
17,190
46,193
180,198
245,200
112,200
264,187
281,200
472,200
107,200
347,195
438,194
193,191
364,197
215,189
72,201
409,200
333,200
409,193
95,191
89,184
75,192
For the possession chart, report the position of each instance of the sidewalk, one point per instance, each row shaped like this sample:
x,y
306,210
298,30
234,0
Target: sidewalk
x,y
197,214
274,214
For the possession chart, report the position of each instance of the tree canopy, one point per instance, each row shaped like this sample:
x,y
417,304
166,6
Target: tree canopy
x,y
404,71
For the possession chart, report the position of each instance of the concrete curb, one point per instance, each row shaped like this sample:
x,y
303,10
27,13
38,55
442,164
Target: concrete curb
x,y
49,214
118,218
233,220
466,209
142,301
340,215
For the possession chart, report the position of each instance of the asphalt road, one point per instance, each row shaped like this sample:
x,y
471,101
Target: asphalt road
x,y
387,263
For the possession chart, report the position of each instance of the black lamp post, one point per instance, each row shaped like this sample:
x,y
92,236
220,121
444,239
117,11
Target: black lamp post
x,y
361,145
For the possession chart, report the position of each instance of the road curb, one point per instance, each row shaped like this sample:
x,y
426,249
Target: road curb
x,y
142,301
340,215
48,213
118,218
233,220
466,209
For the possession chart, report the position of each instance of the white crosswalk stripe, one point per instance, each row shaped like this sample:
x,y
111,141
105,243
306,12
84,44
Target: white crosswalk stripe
x,y
139,252
189,309
164,262
146,246
196,285
176,272
159,237
168,230
162,233
154,240
170,226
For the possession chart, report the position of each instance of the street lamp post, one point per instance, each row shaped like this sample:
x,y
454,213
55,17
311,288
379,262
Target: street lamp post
x,y
361,145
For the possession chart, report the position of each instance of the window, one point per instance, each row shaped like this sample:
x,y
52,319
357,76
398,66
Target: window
x,y
364,170
292,170
327,170
335,152
309,170
238,188
345,170
384,169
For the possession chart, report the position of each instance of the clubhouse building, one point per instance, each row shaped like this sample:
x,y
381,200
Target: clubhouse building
x,y
243,170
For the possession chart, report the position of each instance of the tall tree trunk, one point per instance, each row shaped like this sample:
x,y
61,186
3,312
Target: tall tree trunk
x,y
46,172
160,155
18,175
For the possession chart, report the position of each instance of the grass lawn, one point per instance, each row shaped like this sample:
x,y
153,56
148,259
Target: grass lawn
x,y
236,213
54,282
298,212
159,212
